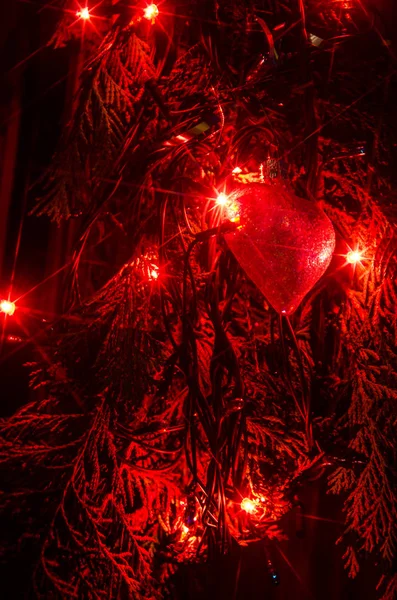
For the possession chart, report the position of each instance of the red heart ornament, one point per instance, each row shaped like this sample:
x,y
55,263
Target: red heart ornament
x,y
284,243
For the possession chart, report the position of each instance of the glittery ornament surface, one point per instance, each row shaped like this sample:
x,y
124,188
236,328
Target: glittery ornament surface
x,y
284,243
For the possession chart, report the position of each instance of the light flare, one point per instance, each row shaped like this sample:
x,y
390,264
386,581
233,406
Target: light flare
x,y
84,14
154,273
147,264
248,505
222,199
151,12
229,206
7,307
354,256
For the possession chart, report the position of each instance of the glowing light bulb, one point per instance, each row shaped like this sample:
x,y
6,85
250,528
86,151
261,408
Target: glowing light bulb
x,y
222,199
7,307
151,12
248,505
230,208
84,14
153,272
147,264
353,257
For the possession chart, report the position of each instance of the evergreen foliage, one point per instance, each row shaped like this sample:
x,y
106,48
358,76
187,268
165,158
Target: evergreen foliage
x,y
180,391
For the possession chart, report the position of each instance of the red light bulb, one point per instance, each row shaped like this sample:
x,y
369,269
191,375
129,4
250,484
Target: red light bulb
x,y
84,14
222,199
147,263
353,257
229,206
153,273
7,307
151,12
248,505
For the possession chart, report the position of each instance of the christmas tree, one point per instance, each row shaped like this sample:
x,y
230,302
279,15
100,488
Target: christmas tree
x,y
228,329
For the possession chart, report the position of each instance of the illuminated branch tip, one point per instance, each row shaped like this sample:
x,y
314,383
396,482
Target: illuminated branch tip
x,y
153,273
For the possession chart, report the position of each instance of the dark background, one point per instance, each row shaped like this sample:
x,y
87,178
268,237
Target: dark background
x,y
36,85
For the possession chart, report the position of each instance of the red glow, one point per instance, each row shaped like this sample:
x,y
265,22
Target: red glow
x,y
147,263
353,257
7,307
222,199
153,273
248,505
84,14
229,206
14,339
151,12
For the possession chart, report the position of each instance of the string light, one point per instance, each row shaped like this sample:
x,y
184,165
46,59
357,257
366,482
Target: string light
x,y
147,264
354,256
7,307
229,206
153,273
151,12
222,199
248,505
84,14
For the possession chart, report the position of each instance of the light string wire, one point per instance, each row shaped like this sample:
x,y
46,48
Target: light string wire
x,y
319,129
